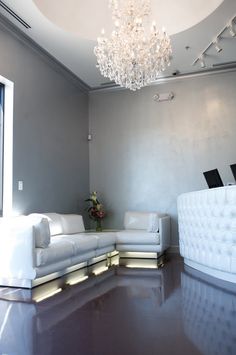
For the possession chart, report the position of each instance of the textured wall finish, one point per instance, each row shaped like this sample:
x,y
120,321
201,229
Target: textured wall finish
x,y
144,154
50,132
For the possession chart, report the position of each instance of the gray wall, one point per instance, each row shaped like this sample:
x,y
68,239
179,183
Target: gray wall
x,y
50,131
144,154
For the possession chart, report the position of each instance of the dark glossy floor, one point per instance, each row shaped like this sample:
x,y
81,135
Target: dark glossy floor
x,y
124,310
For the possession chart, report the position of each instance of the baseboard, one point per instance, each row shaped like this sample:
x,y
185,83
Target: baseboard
x,y
219,274
173,249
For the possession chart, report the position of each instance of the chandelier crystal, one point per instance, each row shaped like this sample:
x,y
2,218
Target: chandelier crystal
x,y
132,57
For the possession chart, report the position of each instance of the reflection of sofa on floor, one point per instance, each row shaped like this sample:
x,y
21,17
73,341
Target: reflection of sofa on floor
x,y
38,248
24,326
208,315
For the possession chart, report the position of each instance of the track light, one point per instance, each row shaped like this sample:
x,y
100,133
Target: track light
x,y
232,30
217,46
230,27
202,62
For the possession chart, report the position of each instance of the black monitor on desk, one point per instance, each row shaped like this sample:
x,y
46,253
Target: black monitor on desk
x,y
233,168
213,178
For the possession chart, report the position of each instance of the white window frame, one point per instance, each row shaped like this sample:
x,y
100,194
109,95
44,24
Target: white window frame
x,y
7,147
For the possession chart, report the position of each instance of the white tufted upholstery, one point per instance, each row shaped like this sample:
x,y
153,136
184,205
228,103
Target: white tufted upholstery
x,y
209,316
207,229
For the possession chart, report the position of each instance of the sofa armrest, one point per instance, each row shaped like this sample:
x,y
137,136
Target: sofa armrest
x,y
17,252
164,230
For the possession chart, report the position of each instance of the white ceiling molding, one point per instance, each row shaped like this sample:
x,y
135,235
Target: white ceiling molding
x,y
77,53
52,61
216,71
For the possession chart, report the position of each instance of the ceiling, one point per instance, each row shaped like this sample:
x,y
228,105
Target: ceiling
x,y
69,31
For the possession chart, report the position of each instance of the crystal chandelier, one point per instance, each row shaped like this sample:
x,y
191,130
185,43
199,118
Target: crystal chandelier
x,y
131,57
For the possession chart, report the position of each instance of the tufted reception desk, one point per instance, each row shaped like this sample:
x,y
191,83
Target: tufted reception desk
x,y
207,231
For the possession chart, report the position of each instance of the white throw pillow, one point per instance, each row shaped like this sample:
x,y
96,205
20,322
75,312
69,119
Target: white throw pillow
x,y
153,223
54,220
41,232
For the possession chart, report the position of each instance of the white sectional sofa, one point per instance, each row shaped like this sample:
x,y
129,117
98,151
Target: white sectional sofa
x,y
40,247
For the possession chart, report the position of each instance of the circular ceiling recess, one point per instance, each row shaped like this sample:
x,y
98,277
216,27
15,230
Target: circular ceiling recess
x,y
87,18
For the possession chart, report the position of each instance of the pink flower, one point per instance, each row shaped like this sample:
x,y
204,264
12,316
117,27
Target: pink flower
x,y
100,214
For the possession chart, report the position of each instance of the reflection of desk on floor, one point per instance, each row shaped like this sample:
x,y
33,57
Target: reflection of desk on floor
x,y
208,314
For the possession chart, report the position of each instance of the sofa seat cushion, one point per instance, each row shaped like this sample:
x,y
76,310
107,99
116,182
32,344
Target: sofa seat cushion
x,y
81,243
137,237
57,250
106,239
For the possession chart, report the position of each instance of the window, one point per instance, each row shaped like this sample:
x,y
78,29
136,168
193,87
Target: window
x,y
6,145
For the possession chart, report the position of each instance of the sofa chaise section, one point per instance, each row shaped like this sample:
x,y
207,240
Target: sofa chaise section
x,y
144,232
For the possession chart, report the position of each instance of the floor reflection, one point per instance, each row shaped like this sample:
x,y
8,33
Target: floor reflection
x,y
209,313
66,316
132,308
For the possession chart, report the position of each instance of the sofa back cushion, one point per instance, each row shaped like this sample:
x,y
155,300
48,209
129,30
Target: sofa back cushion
x,y
55,223
72,223
148,221
54,220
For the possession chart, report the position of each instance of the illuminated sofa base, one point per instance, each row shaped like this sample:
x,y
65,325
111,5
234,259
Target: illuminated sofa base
x,y
39,248
207,231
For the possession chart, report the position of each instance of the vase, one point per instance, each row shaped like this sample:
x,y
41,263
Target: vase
x,y
99,225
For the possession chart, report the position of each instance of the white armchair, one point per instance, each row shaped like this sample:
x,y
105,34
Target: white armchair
x,y
145,232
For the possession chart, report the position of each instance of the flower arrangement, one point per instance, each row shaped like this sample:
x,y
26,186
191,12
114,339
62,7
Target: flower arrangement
x,y
96,211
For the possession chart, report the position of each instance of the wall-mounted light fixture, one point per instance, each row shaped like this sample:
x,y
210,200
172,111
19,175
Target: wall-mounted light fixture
x,y
163,97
